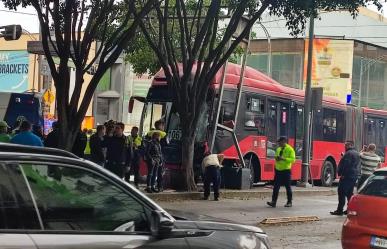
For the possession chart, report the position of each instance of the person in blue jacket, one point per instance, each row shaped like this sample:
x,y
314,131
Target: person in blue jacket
x,y
26,137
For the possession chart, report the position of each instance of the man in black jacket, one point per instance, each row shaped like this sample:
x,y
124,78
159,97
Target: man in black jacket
x,y
80,144
96,149
117,151
154,159
348,173
52,139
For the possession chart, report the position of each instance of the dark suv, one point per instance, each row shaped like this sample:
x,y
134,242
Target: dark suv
x,y
52,199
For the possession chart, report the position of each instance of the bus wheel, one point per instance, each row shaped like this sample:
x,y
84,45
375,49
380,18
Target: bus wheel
x,y
327,174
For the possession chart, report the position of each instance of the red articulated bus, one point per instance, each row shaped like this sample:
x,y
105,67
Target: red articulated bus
x,y
267,111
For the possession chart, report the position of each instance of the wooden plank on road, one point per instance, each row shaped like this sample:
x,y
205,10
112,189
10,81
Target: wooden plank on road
x,y
284,220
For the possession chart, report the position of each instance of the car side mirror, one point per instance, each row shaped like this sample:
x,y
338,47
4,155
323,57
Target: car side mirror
x,y
161,224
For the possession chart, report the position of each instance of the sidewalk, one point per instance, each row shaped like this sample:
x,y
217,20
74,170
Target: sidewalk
x,y
254,193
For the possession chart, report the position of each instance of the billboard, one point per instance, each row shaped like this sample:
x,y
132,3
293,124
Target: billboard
x,y
14,71
331,66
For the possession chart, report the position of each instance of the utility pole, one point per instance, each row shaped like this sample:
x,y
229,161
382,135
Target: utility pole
x,y
307,110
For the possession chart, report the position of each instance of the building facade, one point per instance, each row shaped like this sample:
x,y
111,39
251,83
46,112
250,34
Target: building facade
x,y
349,59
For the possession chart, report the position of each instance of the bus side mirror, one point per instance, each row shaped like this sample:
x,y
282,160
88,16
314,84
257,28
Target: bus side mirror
x,y
131,102
131,105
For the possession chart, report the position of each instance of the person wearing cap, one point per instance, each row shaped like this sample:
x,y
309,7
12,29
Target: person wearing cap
x,y
212,164
4,137
284,159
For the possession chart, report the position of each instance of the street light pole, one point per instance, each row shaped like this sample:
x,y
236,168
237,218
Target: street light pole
x,y
307,110
269,57
360,81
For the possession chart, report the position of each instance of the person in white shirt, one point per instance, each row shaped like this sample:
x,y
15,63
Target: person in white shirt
x,y
212,164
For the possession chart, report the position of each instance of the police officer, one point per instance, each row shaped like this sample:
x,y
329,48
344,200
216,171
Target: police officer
x,y
134,144
348,173
284,158
87,151
159,127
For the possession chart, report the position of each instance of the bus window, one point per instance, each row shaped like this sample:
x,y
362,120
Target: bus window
x,y
284,120
272,123
228,105
317,126
299,131
254,115
333,125
376,132
381,136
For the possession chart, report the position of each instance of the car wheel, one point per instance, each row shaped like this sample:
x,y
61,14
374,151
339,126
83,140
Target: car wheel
x,y
327,174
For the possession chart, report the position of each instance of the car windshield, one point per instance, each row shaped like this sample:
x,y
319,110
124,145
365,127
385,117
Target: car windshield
x,y
376,185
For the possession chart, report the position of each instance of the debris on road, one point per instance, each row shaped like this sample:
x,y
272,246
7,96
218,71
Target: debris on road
x,y
284,220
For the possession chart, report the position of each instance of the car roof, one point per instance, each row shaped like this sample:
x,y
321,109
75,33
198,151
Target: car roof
x,y
22,149
382,171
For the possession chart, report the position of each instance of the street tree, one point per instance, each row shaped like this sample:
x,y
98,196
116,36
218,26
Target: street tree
x,y
79,27
191,47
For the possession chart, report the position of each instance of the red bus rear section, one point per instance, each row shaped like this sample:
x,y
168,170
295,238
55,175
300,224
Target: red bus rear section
x,y
267,111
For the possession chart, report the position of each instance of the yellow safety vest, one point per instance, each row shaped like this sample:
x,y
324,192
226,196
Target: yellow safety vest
x,y
136,142
163,134
87,148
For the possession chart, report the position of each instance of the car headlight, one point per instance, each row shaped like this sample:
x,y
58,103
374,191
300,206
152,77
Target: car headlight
x,y
253,241
265,244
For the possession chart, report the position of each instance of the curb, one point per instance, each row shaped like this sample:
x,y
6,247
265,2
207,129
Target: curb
x,y
239,194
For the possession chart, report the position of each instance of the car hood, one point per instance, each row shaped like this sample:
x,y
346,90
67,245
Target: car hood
x,y
215,226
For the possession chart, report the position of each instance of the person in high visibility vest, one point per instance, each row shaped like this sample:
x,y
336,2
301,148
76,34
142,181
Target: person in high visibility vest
x,y
4,137
135,142
87,151
159,128
96,149
284,159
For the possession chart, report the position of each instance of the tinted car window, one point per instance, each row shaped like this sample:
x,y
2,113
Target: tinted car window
x,y
16,207
70,198
376,185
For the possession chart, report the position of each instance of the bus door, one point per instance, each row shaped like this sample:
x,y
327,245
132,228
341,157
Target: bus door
x,y
277,125
251,134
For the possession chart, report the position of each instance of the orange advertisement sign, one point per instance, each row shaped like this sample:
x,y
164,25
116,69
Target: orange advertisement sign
x,y
88,123
331,66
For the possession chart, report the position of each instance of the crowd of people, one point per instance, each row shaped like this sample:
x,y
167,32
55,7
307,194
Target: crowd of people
x,y
120,154
107,146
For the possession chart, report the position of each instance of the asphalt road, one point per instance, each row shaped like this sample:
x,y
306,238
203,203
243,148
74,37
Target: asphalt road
x,y
320,234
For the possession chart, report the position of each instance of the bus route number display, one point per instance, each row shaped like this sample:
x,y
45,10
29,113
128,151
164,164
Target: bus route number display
x,y
174,134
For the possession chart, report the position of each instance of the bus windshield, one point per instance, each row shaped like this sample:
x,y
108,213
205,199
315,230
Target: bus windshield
x,y
173,127
166,111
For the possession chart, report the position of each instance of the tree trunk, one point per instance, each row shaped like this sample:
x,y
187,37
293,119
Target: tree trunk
x,y
188,144
67,136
